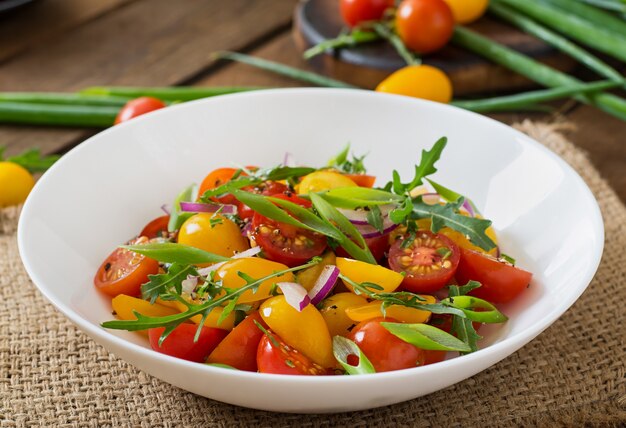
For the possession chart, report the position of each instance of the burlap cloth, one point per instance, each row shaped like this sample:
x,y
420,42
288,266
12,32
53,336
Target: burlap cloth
x,y
571,375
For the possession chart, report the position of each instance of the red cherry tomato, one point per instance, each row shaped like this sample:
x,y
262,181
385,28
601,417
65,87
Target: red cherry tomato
x,y
275,356
123,272
429,262
355,12
424,25
385,351
239,348
137,107
501,281
285,243
267,188
362,180
157,228
180,342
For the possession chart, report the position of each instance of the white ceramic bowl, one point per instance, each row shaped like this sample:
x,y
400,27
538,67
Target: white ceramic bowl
x,y
103,191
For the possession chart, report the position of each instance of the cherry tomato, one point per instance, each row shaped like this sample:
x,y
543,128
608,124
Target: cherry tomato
x,y
362,180
239,348
360,272
286,243
215,179
378,246
123,271
308,277
429,262
418,81
323,180
157,228
267,188
275,356
424,25
501,281
385,351
355,12
333,309
466,11
137,107
16,183
180,343
401,313
213,233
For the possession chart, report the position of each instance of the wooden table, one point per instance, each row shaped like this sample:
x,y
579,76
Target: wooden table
x,y
65,45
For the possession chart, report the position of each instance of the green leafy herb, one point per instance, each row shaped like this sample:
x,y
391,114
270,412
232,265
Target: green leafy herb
x,y
177,218
425,168
425,336
173,278
342,163
463,328
444,252
308,218
283,173
169,252
357,197
450,195
32,160
400,214
375,218
343,348
507,258
489,314
265,207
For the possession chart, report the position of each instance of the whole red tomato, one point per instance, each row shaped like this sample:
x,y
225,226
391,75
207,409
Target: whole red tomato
x,y
356,11
424,25
137,107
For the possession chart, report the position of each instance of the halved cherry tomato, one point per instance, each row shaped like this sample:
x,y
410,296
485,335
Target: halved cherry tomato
x,y
362,180
267,188
275,356
215,179
285,243
501,281
333,309
424,25
239,348
157,228
385,351
137,107
429,262
255,267
357,11
360,272
124,271
180,343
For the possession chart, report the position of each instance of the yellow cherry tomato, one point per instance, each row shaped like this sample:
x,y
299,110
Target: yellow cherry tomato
x,y
397,312
360,272
212,233
15,184
227,323
308,277
333,309
460,239
419,81
256,268
124,305
305,331
323,180
466,11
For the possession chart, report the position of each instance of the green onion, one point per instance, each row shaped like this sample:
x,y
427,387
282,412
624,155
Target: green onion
x,y
409,57
599,18
575,27
343,348
174,93
510,102
57,114
62,98
284,70
533,70
354,38
169,252
554,39
614,5
426,336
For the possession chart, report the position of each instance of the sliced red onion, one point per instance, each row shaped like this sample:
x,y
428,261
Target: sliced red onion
x,y
324,284
166,209
199,207
359,217
189,284
207,270
468,207
248,253
371,232
246,230
295,295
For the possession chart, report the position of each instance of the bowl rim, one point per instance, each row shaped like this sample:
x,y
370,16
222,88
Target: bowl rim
x,y
515,342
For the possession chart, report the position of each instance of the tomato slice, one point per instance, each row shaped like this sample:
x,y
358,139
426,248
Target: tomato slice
x,y
239,348
385,351
285,243
275,356
180,342
362,180
266,188
429,262
157,228
123,271
501,281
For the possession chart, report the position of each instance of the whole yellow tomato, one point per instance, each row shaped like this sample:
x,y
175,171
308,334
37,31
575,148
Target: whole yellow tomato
x,y
323,180
418,81
15,184
466,11
213,233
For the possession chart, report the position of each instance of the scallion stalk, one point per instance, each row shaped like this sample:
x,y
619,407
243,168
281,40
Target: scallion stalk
x,y
599,18
386,33
173,93
57,114
63,98
356,37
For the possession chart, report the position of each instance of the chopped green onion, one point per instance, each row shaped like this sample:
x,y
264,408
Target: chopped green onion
x,y
169,252
426,336
507,258
343,348
444,252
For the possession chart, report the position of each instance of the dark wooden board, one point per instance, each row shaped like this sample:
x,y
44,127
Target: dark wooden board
x,y
368,64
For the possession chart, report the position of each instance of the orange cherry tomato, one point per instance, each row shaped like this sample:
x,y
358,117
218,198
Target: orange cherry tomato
x,y
362,180
424,25
215,179
137,107
355,12
180,343
275,356
124,271
157,228
418,81
239,348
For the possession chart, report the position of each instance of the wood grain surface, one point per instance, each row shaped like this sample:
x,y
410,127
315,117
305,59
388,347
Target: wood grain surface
x,y
159,42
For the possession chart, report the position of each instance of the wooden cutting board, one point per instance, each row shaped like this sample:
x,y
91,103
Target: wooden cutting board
x,y
368,64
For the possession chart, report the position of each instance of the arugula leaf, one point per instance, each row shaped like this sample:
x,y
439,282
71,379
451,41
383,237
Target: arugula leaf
x,y
356,197
399,215
343,348
375,218
447,215
174,277
425,168
169,252
177,218
341,162
462,290
425,336
32,160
